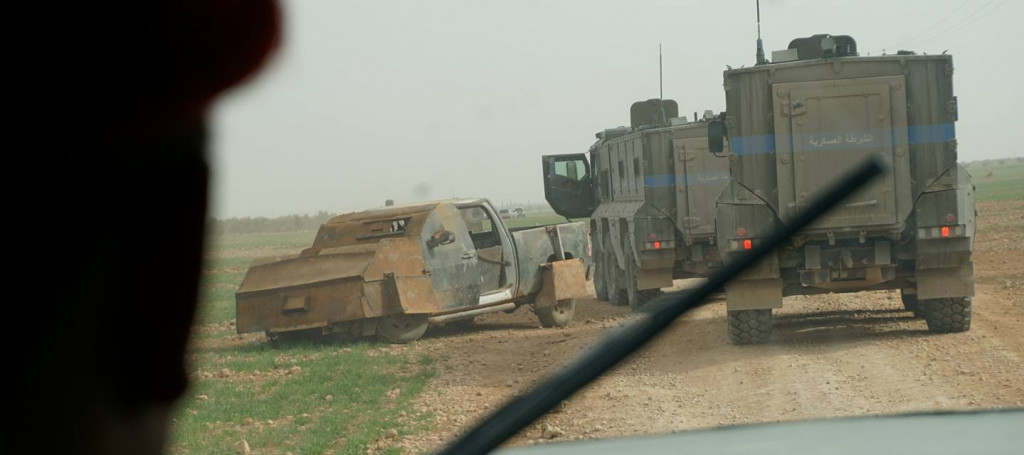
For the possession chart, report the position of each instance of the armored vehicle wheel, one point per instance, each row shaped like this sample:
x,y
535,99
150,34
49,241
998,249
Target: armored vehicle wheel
x,y
282,339
401,328
947,315
274,339
910,303
637,298
750,326
557,315
600,281
613,275
621,298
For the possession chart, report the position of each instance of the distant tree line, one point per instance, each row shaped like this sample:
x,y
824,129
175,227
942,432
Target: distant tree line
x,y
994,162
263,225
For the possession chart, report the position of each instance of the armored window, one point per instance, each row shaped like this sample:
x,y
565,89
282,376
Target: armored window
x,y
481,227
384,228
573,170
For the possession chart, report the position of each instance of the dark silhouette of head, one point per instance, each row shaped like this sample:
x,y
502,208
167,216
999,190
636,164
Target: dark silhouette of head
x,y
107,178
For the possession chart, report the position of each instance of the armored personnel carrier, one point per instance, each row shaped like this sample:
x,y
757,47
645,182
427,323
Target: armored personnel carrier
x,y
649,191
796,124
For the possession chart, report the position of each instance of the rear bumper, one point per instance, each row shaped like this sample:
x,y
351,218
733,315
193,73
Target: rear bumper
x,y
934,268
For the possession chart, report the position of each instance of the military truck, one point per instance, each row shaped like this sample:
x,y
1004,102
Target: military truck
x,y
395,270
649,191
796,124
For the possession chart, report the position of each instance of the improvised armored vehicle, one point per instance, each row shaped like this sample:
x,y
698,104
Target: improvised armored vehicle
x,y
395,270
803,120
649,191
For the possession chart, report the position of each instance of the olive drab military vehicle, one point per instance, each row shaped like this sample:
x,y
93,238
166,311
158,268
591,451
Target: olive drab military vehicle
x,y
797,123
649,191
393,271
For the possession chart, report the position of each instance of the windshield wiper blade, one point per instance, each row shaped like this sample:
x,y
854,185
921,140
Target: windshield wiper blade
x,y
524,409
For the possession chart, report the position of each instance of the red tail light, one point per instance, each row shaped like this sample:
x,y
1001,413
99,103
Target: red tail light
x,y
945,231
657,245
748,244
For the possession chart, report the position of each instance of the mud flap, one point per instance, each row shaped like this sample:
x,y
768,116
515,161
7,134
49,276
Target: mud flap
x,y
654,279
946,282
759,294
757,288
562,280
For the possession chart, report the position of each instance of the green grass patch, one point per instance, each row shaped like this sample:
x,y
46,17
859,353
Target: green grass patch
x,y
538,219
282,240
261,387
279,409
218,306
998,180
220,280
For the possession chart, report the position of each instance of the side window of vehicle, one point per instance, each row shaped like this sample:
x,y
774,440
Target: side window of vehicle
x,y
481,227
573,170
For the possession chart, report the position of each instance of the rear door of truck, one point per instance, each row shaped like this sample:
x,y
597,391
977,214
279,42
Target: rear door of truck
x,y
702,176
826,128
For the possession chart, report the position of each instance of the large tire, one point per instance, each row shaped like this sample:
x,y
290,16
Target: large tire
x,y
621,298
750,326
600,282
910,303
947,315
613,275
637,298
282,339
401,328
557,315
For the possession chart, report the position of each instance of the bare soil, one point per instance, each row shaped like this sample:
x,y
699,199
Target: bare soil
x,y
832,355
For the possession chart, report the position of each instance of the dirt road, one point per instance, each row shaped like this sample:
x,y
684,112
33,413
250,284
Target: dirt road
x,y
832,355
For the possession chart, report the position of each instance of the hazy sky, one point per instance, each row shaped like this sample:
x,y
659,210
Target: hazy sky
x,y
369,100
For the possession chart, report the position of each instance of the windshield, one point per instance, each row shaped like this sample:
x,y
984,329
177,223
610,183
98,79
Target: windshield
x,y
907,297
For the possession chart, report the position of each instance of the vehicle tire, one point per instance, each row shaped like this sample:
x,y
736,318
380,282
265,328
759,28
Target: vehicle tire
x,y
637,298
280,340
616,295
750,326
910,303
557,315
401,328
273,339
621,298
947,315
600,282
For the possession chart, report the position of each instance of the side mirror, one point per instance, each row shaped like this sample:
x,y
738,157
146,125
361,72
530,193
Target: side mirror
x,y
441,238
716,136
